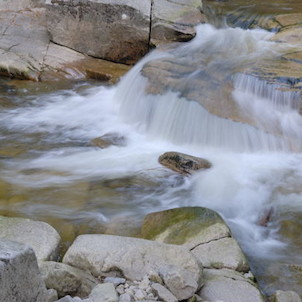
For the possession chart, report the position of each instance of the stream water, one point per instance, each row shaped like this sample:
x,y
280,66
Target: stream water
x,y
51,172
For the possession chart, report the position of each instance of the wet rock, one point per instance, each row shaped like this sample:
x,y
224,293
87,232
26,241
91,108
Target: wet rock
x,y
134,258
285,296
175,21
229,286
43,238
117,32
189,226
20,279
222,253
183,163
104,293
108,140
67,280
124,226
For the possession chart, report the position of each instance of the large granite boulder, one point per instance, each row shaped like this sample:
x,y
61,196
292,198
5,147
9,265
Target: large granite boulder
x,y
229,286
115,30
40,236
20,280
134,258
202,231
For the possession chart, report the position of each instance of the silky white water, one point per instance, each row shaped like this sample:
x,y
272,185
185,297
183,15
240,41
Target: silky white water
x,y
254,169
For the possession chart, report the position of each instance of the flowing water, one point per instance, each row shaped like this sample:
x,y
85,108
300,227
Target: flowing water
x,y
50,171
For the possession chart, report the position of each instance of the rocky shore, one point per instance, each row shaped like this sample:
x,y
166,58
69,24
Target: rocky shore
x,y
190,255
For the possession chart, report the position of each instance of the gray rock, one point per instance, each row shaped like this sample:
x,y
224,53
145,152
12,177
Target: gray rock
x,y
67,280
114,30
20,280
183,163
104,293
222,253
66,299
125,298
115,281
175,20
42,237
133,258
52,295
286,296
16,5
229,286
163,293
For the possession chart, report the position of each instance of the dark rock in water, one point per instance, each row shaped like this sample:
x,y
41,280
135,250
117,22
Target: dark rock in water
x,y
107,140
183,163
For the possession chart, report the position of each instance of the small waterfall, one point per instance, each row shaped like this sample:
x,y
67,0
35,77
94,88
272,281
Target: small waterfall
x,y
175,116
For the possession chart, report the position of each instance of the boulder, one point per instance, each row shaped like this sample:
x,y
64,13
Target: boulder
x,y
67,280
229,286
20,280
42,237
183,163
188,226
175,20
222,253
117,31
133,258
285,296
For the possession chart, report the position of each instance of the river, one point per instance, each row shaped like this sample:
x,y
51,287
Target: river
x,y
51,172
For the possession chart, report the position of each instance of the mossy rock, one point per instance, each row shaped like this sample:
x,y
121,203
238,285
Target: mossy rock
x,y
188,225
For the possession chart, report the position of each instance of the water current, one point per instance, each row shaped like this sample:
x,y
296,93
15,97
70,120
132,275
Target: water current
x,y
50,171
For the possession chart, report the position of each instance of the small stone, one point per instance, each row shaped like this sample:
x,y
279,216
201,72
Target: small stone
x,y
144,284
66,299
139,295
104,293
155,277
125,298
52,295
120,289
163,293
115,281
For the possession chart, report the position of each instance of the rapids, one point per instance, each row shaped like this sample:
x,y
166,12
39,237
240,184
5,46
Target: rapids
x,y
58,175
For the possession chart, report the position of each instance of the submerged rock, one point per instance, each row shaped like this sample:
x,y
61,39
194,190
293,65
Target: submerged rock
x,y
107,140
183,163
42,237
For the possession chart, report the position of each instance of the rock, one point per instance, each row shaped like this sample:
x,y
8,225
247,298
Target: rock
x,y
183,163
67,280
285,296
125,298
189,226
20,279
229,286
133,258
108,140
52,295
115,281
175,21
42,237
163,293
116,31
16,5
104,293
222,253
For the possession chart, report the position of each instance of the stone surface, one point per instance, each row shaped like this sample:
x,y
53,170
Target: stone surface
x,y
16,5
133,258
285,296
189,226
222,253
183,163
104,293
67,280
42,237
175,20
114,30
20,280
229,286
163,293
